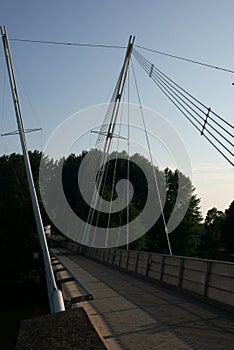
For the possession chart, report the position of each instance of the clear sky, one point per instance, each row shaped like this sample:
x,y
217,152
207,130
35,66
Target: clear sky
x,y
57,81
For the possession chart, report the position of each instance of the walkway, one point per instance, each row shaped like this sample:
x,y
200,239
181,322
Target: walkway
x,y
131,313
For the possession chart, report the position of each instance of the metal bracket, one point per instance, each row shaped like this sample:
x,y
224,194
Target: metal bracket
x,y
207,116
16,132
64,280
151,70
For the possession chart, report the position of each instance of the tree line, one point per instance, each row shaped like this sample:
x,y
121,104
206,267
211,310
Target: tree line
x,y
218,233
194,236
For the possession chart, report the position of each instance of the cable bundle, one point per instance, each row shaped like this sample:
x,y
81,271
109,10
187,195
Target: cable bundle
x,y
214,128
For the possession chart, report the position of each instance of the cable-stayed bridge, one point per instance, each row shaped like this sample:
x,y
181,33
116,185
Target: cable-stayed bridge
x,y
130,311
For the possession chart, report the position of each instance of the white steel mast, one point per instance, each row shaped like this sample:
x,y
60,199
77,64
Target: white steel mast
x,y
54,294
110,134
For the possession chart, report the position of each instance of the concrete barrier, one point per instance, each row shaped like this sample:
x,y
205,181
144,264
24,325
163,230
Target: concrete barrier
x,y
211,279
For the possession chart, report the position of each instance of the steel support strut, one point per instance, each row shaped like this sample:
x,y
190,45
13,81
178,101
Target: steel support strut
x,y
54,294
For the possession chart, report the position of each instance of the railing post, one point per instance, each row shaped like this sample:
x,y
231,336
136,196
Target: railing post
x,y
120,256
137,258
127,259
181,272
162,268
149,263
207,278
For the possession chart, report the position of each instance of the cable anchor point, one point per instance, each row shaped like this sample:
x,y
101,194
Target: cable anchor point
x,y
151,70
205,122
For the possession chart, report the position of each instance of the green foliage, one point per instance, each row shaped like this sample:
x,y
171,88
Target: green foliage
x,y
185,238
218,235
228,229
213,229
18,233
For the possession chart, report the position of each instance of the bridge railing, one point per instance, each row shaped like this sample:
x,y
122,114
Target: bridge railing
x,y
211,279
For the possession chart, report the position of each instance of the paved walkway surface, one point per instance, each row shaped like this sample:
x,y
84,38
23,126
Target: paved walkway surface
x,y
131,313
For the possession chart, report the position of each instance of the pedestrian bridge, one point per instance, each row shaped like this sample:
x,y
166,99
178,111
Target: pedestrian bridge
x,y
133,308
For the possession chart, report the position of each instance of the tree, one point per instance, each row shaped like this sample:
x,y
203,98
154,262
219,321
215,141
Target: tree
x,y
15,200
18,234
213,230
185,238
228,229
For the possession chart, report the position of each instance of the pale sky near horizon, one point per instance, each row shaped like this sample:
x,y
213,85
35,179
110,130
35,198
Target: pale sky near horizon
x,y
56,81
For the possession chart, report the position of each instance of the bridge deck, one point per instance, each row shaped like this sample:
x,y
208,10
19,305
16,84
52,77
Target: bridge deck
x,y
131,313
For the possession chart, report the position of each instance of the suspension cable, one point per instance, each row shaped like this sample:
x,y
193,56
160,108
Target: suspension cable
x,y
151,160
191,108
115,170
139,57
102,188
180,101
105,46
128,161
186,59
159,76
67,43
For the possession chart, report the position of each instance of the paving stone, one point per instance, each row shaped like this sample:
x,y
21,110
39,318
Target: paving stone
x,y
135,313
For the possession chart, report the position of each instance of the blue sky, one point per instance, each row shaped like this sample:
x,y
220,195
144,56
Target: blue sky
x,y
57,81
